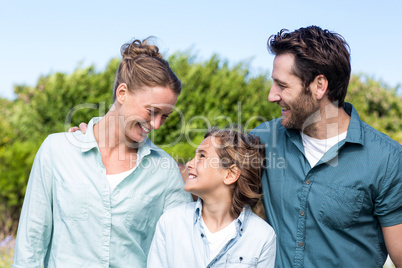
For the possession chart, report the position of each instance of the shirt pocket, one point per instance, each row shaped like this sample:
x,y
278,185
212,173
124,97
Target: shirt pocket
x,y
341,206
236,260
72,200
139,212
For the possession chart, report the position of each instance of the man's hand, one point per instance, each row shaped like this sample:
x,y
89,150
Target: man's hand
x,y
83,128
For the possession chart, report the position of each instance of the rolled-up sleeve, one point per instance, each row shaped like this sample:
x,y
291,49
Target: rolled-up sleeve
x,y
388,205
36,220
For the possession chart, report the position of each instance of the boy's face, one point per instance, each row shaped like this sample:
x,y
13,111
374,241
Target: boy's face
x,y
205,173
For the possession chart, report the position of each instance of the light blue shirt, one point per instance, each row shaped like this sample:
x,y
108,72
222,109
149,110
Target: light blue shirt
x,y
331,214
180,241
71,219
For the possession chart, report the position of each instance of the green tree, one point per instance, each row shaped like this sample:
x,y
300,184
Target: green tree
x,y
215,93
378,105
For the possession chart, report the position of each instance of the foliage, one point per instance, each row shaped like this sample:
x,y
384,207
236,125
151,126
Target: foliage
x,y
378,105
215,93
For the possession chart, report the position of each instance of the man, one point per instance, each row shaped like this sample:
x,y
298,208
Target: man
x,y
333,186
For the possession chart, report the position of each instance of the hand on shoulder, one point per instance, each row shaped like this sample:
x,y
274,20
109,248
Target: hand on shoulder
x,y
82,127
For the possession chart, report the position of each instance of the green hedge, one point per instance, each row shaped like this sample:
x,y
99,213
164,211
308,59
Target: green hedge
x,y
215,93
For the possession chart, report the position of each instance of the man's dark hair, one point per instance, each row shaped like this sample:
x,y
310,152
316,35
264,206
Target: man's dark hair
x,y
316,52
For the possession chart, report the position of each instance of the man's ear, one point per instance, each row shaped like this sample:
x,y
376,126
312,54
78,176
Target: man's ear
x,y
233,174
321,86
121,93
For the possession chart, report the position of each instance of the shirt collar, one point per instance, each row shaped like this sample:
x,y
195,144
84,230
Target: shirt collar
x,y
89,142
240,220
197,211
355,133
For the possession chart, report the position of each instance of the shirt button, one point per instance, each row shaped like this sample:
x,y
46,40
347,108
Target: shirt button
x,y
202,235
300,244
302,213
307,182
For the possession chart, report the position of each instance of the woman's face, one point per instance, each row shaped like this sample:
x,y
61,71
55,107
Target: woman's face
x,y
144,110
205,172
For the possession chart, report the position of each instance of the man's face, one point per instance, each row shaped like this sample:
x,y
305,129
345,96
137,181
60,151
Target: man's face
x,y
287,91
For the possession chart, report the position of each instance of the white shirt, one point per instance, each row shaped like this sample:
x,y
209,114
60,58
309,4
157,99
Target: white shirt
x,y
314,149
180,241
115,179
218,240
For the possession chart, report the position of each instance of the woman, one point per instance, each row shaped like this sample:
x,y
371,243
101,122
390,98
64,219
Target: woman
x,y
93,199
219,230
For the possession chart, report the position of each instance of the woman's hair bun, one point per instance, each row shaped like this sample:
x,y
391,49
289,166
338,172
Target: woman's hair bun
x,y
137,47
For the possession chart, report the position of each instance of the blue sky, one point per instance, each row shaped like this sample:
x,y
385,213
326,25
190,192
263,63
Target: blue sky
x,y
42,37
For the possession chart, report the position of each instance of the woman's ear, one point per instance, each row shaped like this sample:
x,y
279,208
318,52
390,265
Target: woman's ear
x,y
233,174
121,93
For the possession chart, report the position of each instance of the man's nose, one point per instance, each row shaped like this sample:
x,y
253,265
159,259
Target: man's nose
x,y
274,94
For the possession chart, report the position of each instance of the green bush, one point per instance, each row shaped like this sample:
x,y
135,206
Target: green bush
x,y
214,94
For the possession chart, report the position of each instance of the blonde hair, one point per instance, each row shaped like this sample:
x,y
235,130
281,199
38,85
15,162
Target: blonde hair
x,y
237,147
143,65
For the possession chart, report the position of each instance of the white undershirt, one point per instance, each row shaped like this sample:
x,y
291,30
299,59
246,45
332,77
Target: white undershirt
x,y
115,179
219,239
315,149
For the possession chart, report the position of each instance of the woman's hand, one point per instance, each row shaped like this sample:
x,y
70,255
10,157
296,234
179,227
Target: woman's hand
x,y
82,127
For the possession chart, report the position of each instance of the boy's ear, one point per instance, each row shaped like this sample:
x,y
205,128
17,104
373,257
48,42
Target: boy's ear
x,y
121,93
233,174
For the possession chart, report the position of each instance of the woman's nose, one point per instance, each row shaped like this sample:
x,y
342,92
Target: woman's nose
x,y
156,122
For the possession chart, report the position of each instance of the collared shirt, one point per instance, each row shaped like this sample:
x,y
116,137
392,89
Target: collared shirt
x,y
180,241
331,215
71,219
